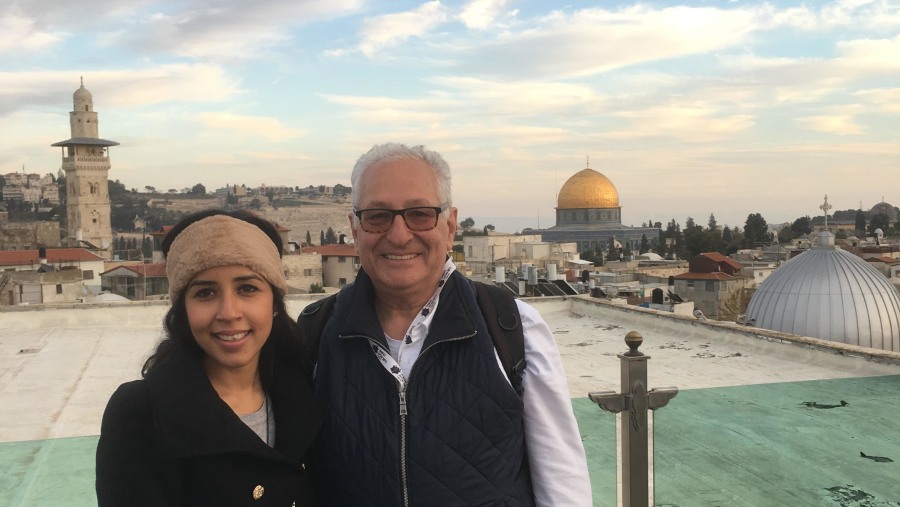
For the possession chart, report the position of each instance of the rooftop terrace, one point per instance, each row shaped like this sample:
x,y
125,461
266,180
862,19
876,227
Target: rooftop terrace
x,y
758,420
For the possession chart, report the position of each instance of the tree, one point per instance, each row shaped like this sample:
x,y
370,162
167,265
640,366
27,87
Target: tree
x,y
860,222
330,236
612,254
712,222
490,227
592,256
785,234
321,237
198,189
308,239
458,248
116,190
800,227
467,224
880,221
150,190
645,244
673,240
315,288
756,231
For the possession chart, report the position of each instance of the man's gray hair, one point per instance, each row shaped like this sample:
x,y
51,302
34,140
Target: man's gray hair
x,y
395,151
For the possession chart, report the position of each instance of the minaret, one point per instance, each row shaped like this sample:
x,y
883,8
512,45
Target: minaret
x,y
85,160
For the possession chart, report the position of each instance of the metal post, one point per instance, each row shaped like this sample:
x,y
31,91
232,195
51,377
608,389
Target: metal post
x,y
635,400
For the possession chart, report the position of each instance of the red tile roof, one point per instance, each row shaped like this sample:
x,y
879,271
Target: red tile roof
x,y
885,259
54,255
157,269
717,257
162,231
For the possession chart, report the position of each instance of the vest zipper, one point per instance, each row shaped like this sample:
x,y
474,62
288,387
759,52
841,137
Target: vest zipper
x,y
404,480
401,388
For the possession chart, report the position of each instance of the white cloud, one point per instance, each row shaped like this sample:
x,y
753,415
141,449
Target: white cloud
x,y
481,14
840,124
264,127
883,54
119,88
689,122
883,99
594,41
392,29
522,98
18,34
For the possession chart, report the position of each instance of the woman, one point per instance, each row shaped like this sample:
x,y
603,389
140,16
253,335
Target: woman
x,y
224,414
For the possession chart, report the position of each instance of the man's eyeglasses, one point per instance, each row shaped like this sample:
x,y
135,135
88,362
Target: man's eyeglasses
x,y
419,218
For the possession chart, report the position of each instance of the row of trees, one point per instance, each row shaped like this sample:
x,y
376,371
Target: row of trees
x,y
467,228
693,239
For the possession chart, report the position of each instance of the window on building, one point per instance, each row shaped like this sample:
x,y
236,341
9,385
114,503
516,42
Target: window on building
x,y
342,282
470,251
307,272
87,274
342,259
59,288
690,284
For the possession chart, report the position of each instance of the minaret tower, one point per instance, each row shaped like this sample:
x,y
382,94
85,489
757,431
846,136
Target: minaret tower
x,y
85,160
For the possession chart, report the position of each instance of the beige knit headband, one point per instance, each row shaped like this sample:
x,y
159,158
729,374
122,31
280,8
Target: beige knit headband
x,y
221,240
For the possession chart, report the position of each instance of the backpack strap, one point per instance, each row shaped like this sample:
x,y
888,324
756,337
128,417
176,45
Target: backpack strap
x,y
498,307
312,321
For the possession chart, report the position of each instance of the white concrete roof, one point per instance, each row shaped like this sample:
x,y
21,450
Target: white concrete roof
x,y
58,366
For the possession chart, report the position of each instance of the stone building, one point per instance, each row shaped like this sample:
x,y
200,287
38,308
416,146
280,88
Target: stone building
x,y
588,214
85,161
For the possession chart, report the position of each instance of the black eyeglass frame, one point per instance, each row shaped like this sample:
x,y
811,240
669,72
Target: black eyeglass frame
x,y
402,212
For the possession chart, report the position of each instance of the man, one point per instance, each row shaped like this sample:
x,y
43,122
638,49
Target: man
x,y
418,408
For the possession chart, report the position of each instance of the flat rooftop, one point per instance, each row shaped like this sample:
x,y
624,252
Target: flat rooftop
x,y
758,420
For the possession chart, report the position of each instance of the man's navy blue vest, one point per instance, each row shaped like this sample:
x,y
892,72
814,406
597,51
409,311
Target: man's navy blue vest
x,y
463,435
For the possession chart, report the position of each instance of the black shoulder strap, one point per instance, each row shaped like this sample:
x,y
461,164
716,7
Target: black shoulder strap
x,y
312,322
498,307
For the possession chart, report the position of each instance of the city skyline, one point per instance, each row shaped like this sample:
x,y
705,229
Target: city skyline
x,y
694,108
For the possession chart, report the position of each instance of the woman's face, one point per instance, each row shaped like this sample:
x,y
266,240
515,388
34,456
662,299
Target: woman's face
x,y
229,310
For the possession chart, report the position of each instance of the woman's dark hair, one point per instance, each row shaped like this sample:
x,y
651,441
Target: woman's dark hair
x,y
284,338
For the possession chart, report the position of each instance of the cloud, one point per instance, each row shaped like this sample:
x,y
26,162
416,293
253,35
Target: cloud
x,y
594,41
201,83
840,124
389,30
218,31
250,126
481,14
19,34
688,122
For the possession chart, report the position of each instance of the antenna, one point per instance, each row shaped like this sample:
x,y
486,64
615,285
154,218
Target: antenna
x,y
588,163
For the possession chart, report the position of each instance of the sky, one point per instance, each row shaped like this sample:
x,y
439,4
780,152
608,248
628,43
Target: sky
x,y
690,108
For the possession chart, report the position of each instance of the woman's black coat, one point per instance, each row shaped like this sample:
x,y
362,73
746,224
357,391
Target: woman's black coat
x,y
169,440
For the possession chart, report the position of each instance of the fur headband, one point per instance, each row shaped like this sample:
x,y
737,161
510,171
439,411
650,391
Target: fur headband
x,y
221,240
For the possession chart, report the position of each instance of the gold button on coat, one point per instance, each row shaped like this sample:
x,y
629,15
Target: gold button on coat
x,y
258,492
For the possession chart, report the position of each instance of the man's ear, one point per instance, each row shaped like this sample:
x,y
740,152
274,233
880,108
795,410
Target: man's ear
x,y
451,227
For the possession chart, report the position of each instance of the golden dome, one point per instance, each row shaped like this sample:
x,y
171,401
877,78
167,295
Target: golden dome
x,y
588,189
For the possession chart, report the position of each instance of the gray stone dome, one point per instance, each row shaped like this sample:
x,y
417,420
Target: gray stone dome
x,y
830,294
